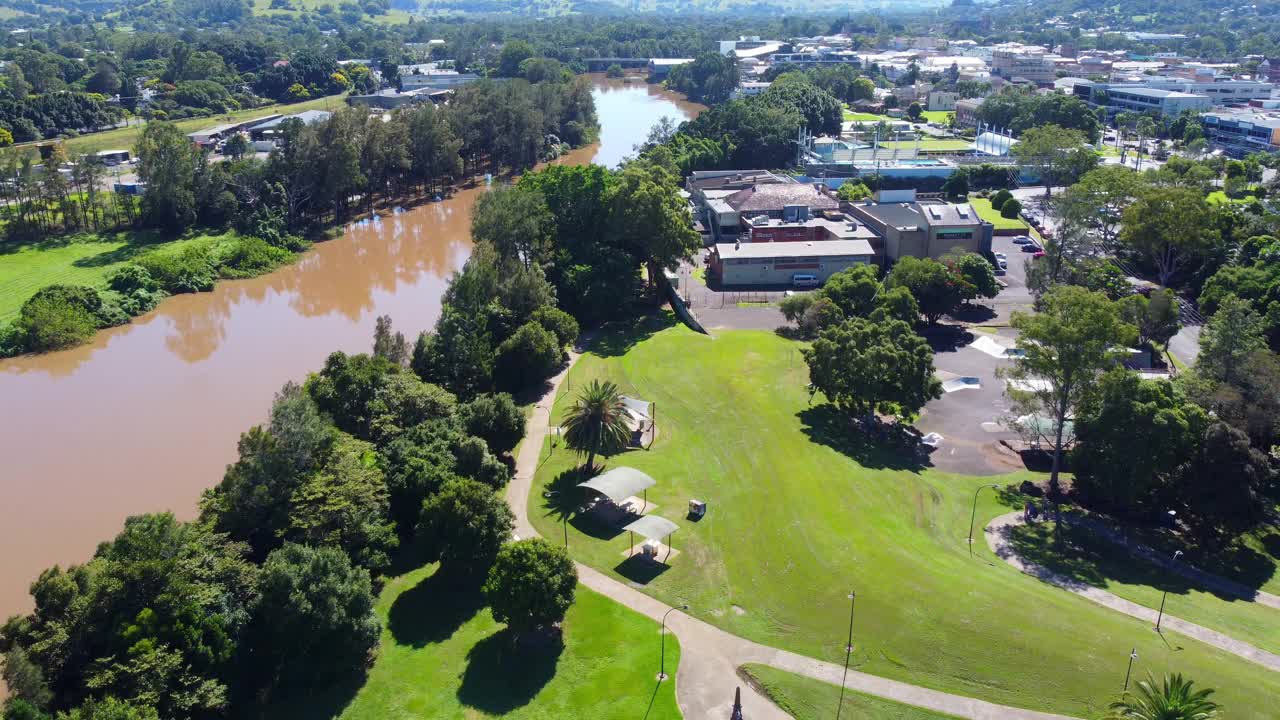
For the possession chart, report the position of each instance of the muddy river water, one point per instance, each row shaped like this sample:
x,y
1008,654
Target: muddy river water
x,y
147,415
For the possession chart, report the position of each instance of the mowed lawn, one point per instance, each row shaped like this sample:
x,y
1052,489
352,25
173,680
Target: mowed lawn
x,y
938,116
808,699
1080,554
863,117
85,259
983,207
444,656
800,514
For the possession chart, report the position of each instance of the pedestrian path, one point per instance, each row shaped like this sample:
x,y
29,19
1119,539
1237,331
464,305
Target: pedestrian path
x,y
998,532
709,656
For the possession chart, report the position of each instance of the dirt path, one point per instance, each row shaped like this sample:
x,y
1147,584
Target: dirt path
x,y
710,657
997,533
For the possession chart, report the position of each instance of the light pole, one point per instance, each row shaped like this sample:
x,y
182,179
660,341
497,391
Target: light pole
x,y
974,515
1133,655
1165,595
662,663
848,650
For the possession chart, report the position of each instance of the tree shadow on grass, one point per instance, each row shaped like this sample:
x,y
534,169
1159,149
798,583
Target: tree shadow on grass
x,y
432,610
316,704
504,674
563,500
616,338
121,254
826,425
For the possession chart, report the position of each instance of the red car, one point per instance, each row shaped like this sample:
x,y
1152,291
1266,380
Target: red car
x,y
1038,254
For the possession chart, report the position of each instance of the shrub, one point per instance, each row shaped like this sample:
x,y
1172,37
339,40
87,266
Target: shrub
x,y
250,257
999,198
558,322
188,270
496,419
821,314
1011,208
794,307
134,291
58,316
853,191
614,71
527,357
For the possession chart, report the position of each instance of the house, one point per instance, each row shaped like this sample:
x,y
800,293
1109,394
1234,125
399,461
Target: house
x,y
776,264
923,229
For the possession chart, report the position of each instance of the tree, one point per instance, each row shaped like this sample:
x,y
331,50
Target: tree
x,y
999,198
388,344
865,367
853,290
516,222
1156,317
793,307
559,322
513,54
58,316
821,314
1011,209
853,192
313,622
977,273
597,422
346,386
237,146
614,71
526,358
1232,334
1222,486
1172,699
1065,347
1058,154
1131,439
1166,226
1098,199
496,419
531,585
821,110
956,185
167,165
650,217
464,526
915,112
937,289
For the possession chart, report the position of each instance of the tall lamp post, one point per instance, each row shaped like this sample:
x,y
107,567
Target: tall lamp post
x,y
1163,597
662,666
848,650
1133,655
974,515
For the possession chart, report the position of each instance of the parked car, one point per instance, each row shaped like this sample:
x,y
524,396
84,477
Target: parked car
x,y
1031,248
1022,240
804,280
1038,254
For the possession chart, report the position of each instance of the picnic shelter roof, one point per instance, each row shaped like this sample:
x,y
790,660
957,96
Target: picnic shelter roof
x,y
620,483
652,527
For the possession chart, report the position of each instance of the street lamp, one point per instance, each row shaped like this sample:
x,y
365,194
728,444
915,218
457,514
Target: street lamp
x,y
1163,597
1133,655
662,667
974,515
848,650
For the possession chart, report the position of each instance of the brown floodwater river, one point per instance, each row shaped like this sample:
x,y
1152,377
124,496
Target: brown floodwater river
x,y
146,416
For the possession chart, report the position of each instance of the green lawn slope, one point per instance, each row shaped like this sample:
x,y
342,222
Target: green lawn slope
x,y
808,699
800,513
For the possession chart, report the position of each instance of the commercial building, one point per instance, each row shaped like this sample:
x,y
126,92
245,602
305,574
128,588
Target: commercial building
x,y
749,88
1011,63
777,264
1240,132
268,130
1140,99
919,229
416,77
967,112
942,100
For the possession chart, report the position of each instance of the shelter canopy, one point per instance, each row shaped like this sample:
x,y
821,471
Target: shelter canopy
x,y
620,483
652,527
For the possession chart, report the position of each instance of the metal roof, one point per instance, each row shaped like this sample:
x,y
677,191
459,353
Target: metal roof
x,y
819,249
652,527
620,483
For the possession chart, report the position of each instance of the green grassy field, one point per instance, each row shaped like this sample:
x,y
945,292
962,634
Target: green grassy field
x,y
443,656
391,17
1218,197
862,117
800,512
939,116
1080,554
808,699
84,259
983,208
125,138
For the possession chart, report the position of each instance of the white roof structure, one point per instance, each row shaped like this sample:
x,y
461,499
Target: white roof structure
x,y
639,410
620,483
652,527
821,248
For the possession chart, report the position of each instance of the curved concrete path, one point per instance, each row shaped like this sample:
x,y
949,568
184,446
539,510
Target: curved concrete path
x,y
997,533
709,656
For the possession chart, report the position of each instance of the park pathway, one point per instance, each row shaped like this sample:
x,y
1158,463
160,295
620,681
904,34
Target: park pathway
x,y
998,532
709,656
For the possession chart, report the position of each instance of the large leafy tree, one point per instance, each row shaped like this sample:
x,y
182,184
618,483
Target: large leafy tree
x,y
1098,199
650,218
464,526
1156,317
1065,347
167,166
531,585
1233,334
515,221
1222,486
1166,227
938,289
597,421
866,366
1173,698
1058,154
313,623
496,419
1131,439
820,109
854,290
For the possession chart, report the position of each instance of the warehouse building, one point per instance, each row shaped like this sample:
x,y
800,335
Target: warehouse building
x,y
786,264
920,229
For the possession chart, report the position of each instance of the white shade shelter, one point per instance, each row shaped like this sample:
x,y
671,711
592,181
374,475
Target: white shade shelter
x,y
651,527
621,483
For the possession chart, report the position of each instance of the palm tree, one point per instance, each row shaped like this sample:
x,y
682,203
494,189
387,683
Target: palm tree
x,y
597,422
1172,700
